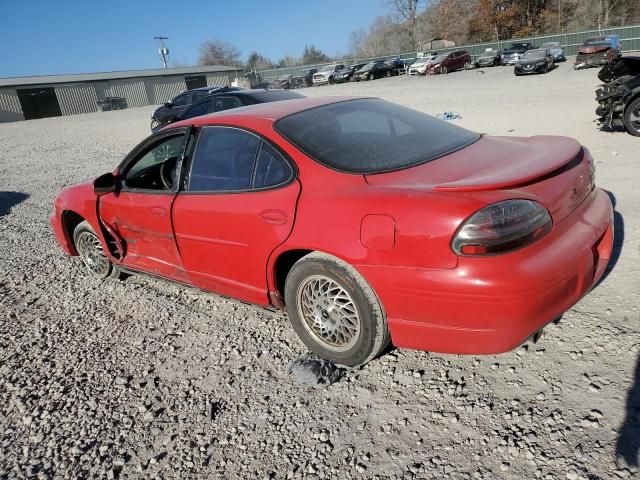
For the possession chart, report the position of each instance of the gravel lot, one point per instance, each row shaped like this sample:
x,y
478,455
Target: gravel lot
x,y
143,378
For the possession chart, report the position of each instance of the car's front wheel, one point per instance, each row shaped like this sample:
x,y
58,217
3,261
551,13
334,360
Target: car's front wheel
x,y
334,311
91,253
632,117
154,123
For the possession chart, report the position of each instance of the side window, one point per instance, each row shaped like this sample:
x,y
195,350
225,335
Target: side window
x,y
154,169
226,103
271,168
223,160
197,109
197,96
181,100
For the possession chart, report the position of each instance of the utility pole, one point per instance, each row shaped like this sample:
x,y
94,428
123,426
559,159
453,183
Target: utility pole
x,y
164,52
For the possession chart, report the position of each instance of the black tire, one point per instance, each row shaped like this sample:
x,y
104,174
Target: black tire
x,y
444,70
372,335
331,81
96,262
370,76
632,126
468,65
154,123
387,73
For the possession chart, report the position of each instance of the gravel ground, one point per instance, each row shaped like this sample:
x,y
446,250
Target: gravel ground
x,y
142,378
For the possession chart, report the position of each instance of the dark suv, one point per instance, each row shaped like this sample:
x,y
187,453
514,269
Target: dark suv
x,y
180,102
219,101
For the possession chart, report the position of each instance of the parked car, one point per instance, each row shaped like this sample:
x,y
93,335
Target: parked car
x,y
489,58
514,236
303,80
180,102
419,67
450,62
218,102
534,61
597,51
283,82
398,67
556,50
373,70
345,75
511,55
619,96
326,74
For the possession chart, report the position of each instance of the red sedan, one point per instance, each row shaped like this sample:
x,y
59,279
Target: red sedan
x,y
368,222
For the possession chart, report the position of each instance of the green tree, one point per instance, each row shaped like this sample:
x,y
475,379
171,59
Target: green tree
x,y
312,55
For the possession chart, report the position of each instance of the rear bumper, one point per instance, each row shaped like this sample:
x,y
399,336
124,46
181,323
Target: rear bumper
x,y
491,305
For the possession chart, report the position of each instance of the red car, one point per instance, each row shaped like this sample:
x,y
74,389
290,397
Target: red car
x,y
450,62
368,222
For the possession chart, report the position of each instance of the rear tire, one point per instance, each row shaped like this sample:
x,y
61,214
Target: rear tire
x,y
631,118
90,250
334,311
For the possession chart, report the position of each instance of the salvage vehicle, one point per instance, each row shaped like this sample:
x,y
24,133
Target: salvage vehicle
x,y
303,80
556,51
345,75
373,70
419,67
450,62
619,97
180,102
326,74
398,67
489,58
366,221
534,61
282,82
225,101
511,55
598,51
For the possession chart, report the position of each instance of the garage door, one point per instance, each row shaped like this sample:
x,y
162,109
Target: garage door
x,y
39,103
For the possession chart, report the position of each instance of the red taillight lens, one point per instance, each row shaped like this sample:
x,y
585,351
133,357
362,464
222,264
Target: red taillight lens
x,y
501,228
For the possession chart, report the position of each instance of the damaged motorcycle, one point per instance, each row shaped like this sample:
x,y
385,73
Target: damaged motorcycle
x,y
619,95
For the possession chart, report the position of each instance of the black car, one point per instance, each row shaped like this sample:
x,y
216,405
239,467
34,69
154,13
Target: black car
x,y
489,58
511,55
534,61
303,80
373,70
619,96
344,75
182,101
219,101
398,67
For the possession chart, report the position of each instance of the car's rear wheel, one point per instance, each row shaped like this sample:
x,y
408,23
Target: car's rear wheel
x,y
334,310
91,253
632,118
154,123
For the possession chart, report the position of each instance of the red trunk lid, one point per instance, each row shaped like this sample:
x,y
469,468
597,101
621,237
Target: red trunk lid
x,y
551,170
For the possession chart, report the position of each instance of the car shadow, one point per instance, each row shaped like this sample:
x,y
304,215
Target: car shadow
x,y
618,239
8,200
628,442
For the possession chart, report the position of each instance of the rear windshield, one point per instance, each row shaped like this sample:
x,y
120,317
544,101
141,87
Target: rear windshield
x,y
598,41
371,136
275,95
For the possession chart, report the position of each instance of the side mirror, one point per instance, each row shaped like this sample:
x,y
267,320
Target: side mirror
x,y
104,184
168,105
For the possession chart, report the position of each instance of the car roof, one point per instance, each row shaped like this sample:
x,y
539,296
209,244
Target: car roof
x,y
270,110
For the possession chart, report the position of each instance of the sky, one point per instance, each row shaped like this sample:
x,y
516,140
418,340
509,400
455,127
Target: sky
x,y
45,37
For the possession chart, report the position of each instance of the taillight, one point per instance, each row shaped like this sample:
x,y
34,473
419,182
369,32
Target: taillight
x,y
501,228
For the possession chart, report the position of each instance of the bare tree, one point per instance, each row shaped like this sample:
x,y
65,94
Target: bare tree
x,y
356,40
218,52
406,11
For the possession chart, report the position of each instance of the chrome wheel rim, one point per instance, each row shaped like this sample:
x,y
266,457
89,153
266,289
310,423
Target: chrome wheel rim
x,y
634,118
92,255
328,313
155,123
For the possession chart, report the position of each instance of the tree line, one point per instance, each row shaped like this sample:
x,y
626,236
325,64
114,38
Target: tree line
x,y
409,24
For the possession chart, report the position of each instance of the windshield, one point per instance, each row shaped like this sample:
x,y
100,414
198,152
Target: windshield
x,y
489,53
518,46
422,60
534,54
368,66
598,41
327,68
371,136
440,58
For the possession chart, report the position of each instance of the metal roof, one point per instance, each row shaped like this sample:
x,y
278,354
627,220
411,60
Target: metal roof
x,y
89,77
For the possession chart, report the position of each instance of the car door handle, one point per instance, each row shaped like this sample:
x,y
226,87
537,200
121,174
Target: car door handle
x,y
157,211
275,217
